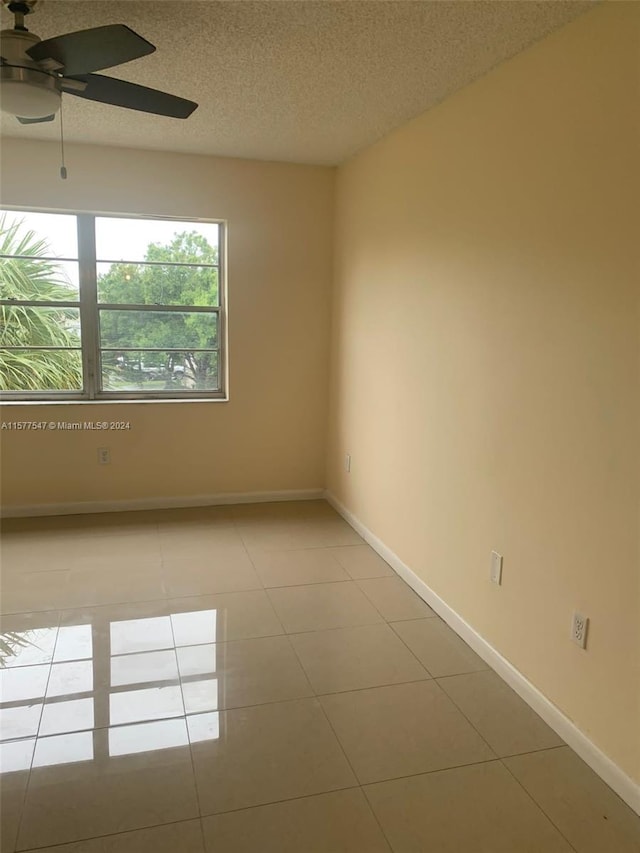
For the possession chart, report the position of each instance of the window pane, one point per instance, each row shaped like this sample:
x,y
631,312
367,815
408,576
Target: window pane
x,y
131,370
28,326
44,280
40,370
52,235
140,284
158,329
156,240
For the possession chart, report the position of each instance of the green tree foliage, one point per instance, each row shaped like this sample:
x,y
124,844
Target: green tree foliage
x,y
32,276
162,281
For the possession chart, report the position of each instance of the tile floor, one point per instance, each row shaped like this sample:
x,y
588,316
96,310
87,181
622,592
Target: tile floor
x,y
255,679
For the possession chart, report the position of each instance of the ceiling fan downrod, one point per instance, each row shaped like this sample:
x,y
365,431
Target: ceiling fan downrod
x,y
19,9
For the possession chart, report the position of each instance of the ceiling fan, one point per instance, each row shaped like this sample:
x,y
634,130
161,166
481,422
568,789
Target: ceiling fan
x,y
35,73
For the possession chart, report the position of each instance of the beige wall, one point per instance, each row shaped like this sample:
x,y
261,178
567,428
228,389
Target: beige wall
x,y
270,436
485,361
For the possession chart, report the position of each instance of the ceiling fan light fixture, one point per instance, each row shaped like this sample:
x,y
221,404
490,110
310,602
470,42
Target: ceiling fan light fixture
x,y
28,93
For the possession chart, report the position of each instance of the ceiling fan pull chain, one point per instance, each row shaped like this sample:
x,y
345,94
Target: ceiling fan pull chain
x,y
63,168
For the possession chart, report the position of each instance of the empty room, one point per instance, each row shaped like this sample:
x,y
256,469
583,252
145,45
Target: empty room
x,y
320,426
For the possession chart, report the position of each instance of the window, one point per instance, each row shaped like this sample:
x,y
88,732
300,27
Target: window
x,y
105,308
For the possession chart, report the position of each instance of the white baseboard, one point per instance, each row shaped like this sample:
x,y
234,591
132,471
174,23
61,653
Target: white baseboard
x,y
600,763
161,503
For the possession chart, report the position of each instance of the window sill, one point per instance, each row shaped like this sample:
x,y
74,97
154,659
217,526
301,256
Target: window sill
x,y
112,402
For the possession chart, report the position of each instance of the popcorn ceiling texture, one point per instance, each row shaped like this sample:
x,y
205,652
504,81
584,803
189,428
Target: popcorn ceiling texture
x,y
305,82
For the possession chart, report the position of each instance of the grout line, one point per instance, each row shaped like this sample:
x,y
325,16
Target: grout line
x,y
35,740
278,802
346,757
202,835
186,729
64,844
500,758
409,649
533,799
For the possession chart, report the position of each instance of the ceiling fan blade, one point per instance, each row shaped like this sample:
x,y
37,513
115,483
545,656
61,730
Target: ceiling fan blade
x,y
35,120
120,93
91,50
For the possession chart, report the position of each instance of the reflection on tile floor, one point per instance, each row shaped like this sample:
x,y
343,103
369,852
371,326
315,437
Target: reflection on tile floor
x,y
256,678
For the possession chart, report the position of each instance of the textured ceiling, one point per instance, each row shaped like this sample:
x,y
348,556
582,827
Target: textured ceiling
x,y
301,81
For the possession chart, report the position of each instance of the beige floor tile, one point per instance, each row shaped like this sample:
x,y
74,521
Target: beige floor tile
x,y
53,590
322,606
231,571
29,621
340,822
94,636
282,510
361,561
105,564
507,723
438,648
20,721
289,568
32,591
395,599
143,634
587,812
353,658
241,672
112,780
178,542
120,585
71,677
149,703
211,518
122,523
15,761
404,729
252,756
68,715
155,666
85,524
112,548
25,552
183,837
97,551
23,683
219,618
297,533
201,695
28,638
125,627
478,809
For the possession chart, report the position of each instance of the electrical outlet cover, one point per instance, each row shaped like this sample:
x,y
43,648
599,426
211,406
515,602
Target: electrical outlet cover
x,y
579,628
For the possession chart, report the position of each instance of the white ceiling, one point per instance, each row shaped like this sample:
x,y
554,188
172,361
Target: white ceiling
x,y
299,81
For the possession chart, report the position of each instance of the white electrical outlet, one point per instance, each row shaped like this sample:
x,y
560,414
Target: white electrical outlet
x,y
347,463
104,455
496,568
579,628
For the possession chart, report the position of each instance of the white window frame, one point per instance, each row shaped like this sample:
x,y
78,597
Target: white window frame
x,y
89,308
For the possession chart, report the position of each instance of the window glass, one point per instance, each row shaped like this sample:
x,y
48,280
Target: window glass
x,y
46,347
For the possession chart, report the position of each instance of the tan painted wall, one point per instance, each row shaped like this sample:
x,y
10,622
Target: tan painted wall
x,y
270,435
485,360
